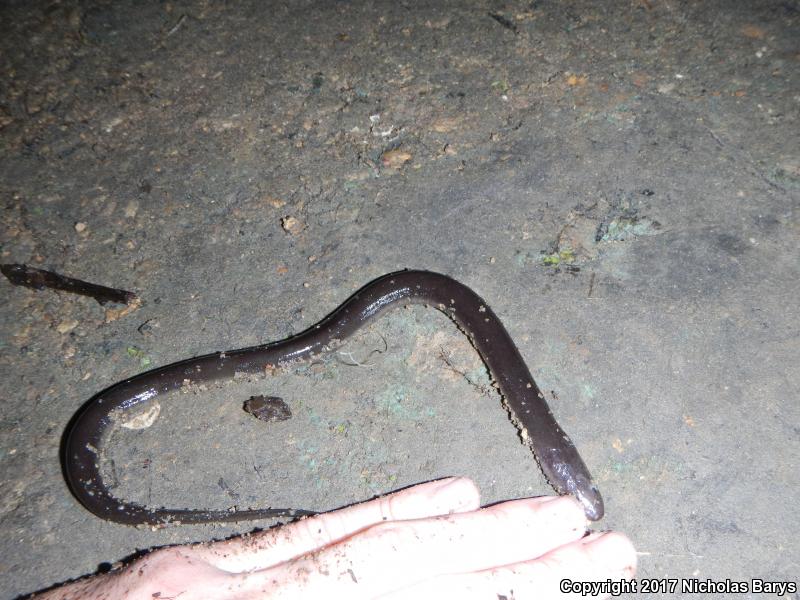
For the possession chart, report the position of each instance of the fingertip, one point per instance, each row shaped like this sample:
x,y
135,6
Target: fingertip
x,y
430,499
456,494
560,509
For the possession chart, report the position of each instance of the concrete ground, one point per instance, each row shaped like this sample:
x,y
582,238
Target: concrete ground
x,y
620,182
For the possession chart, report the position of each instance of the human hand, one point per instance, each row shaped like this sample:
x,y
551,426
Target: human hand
x,y
429,541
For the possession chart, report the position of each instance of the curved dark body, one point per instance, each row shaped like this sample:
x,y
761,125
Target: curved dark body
x,y
556,454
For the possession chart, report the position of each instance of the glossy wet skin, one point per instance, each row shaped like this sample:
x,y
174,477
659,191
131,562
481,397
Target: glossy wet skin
x,y
554,451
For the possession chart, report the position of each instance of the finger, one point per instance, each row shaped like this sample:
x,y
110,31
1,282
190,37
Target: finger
x,y
268,548
598,558
392,555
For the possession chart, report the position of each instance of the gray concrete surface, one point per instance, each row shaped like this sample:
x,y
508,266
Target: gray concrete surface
x,y
619,182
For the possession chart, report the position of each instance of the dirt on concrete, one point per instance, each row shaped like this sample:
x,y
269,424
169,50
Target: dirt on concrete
x,y
620,182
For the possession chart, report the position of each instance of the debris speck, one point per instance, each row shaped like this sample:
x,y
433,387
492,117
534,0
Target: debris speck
x,y
666,88
445,125
395,159
112,314
66,326
438,24
292,225
268,408
754,32
138,354
275,202
131,209
576,80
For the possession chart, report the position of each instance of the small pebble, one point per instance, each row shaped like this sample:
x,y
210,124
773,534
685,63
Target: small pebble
x,y
268,408
67,326
131,209
292,225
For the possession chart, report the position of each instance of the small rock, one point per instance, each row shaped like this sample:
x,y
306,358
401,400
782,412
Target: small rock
x,y
131,209
292,225
575,80
268,408
110,125
67,326
438,23
80,227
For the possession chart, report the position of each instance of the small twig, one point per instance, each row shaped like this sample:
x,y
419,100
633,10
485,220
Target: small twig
x,y
354,362
505,22
39,279
446,359
713,134
144,326
177,25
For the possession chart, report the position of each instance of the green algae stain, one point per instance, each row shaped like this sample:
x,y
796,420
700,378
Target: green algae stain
x,y
139,354
625,228
563,256
398,402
